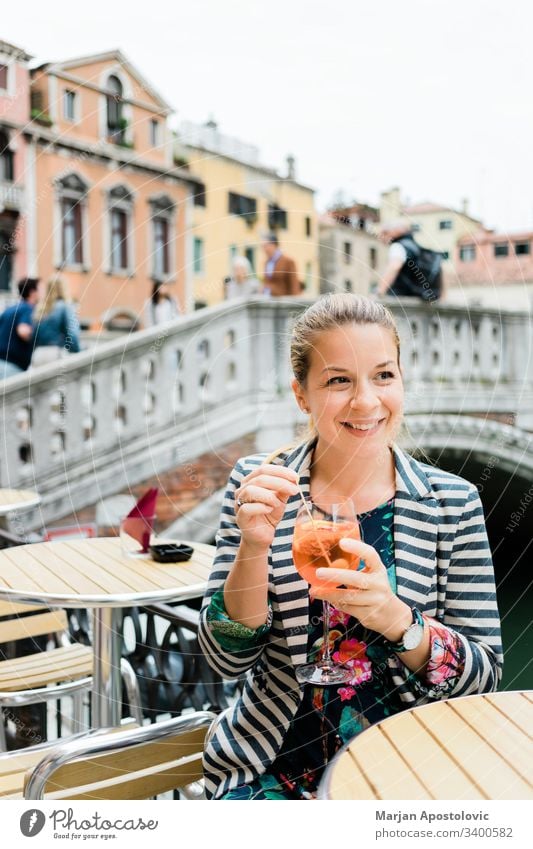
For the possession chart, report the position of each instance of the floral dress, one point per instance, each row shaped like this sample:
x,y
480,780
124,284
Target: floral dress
x,y
328,717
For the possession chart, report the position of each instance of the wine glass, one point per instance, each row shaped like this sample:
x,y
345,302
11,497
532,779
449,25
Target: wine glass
x,y
318,530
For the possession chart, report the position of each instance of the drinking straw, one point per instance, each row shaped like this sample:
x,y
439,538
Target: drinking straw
x,y
325,554
317,535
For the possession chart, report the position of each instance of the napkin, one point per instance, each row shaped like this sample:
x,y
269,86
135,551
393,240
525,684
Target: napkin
x,y
139,522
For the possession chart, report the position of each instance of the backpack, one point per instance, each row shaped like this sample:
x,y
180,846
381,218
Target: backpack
x,y
421,274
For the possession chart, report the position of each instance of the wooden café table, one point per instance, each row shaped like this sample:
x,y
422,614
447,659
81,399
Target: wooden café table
x,y
96,574
475,747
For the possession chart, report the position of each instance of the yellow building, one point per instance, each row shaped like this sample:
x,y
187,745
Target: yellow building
x,y
242,201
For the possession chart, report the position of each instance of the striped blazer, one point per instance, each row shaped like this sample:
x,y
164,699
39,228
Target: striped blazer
x,y
443,567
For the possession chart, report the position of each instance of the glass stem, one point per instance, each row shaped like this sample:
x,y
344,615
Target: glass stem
x,y
326,655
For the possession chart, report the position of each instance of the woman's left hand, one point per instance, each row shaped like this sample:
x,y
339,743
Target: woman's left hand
x,y
368,595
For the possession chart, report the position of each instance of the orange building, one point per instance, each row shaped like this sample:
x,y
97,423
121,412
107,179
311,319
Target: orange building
x,y
107,208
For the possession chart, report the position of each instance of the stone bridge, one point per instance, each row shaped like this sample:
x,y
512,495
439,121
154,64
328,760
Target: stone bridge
x,y
124,411
130,410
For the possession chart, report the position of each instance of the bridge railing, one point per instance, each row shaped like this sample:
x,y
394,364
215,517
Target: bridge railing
x,y
94,423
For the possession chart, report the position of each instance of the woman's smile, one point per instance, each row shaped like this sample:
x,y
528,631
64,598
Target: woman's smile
x,y
361,430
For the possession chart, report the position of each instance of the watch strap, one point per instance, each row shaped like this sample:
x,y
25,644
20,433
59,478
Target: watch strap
x,y
400,646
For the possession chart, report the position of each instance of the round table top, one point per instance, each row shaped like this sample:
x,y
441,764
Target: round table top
x,y
96,573
17,499
475,747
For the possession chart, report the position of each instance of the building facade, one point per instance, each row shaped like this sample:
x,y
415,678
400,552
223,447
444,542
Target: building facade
x,y
108,209
239,201
352,257
14,114
496,269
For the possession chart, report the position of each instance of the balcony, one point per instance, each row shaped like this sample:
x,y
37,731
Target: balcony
x,y
11,197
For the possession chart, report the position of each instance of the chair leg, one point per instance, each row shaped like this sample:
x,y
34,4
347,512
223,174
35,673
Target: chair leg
x,y
77,712
3,740
132,689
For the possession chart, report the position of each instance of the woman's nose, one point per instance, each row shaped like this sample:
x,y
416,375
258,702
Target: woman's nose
x,y
365,397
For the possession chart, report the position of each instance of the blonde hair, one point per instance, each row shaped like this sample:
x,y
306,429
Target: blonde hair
x,y
56,290
328,313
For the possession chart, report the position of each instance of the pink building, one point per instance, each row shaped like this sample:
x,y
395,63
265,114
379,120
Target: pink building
x,y
494,258
14,114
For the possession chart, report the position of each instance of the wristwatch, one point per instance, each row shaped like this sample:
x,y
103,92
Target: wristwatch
x,y
412,636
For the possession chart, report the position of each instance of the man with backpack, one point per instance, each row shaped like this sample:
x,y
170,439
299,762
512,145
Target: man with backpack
x,y
412,271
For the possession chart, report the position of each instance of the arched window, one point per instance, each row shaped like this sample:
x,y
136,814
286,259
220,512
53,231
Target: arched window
x,y
72,193
115,104
6,159
163,210
120,211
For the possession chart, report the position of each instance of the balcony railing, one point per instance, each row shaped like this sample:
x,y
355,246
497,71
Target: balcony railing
x,y
11,196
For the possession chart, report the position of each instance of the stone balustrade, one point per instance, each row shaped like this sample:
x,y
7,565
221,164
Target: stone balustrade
x,y
95,423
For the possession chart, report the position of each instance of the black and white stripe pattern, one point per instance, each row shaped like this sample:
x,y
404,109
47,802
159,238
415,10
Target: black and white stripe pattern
x,y
443,566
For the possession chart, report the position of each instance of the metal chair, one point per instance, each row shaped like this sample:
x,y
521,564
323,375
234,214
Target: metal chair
x,y
137,764
43,676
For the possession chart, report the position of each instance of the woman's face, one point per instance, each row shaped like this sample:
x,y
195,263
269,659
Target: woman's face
x,y
354,388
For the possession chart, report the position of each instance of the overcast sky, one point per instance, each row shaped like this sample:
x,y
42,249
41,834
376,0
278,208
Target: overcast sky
x,y
436,98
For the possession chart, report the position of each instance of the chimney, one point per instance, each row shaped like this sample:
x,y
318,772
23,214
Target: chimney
x,y
291,168
464,206
390,206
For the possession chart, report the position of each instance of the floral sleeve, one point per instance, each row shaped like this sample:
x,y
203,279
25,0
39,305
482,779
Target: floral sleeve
x,y
446,661
233,636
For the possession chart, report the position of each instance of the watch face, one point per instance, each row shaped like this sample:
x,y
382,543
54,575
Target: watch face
x,y
413,636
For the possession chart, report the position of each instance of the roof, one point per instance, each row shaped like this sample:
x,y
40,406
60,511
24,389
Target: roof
x,y
483,237
428,207
12,50
110,56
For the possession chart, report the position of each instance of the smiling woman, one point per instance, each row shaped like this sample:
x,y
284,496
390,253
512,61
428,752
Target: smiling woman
x,y
403,626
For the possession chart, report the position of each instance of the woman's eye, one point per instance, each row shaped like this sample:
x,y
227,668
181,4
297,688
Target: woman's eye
x,y
336,381
385,375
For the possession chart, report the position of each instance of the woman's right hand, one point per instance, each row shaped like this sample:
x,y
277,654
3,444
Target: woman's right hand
x,y
260,503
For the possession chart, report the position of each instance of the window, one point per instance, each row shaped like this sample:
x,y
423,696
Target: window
x,y
249,253
6,159
154,133
308,278
72,192
72,232
445,254
199,198
347,249
119,240
161,257
373,257
163,209
198,256
120,208
415,228
277,217
3,77
348,286
69,105
116,124
446,224
522,248
501,249
467,253
244,206
307,225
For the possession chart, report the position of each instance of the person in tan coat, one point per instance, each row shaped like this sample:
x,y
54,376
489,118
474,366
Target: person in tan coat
x,y
281,277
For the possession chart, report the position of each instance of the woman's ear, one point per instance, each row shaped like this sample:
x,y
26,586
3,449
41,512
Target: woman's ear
x,y
299,394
